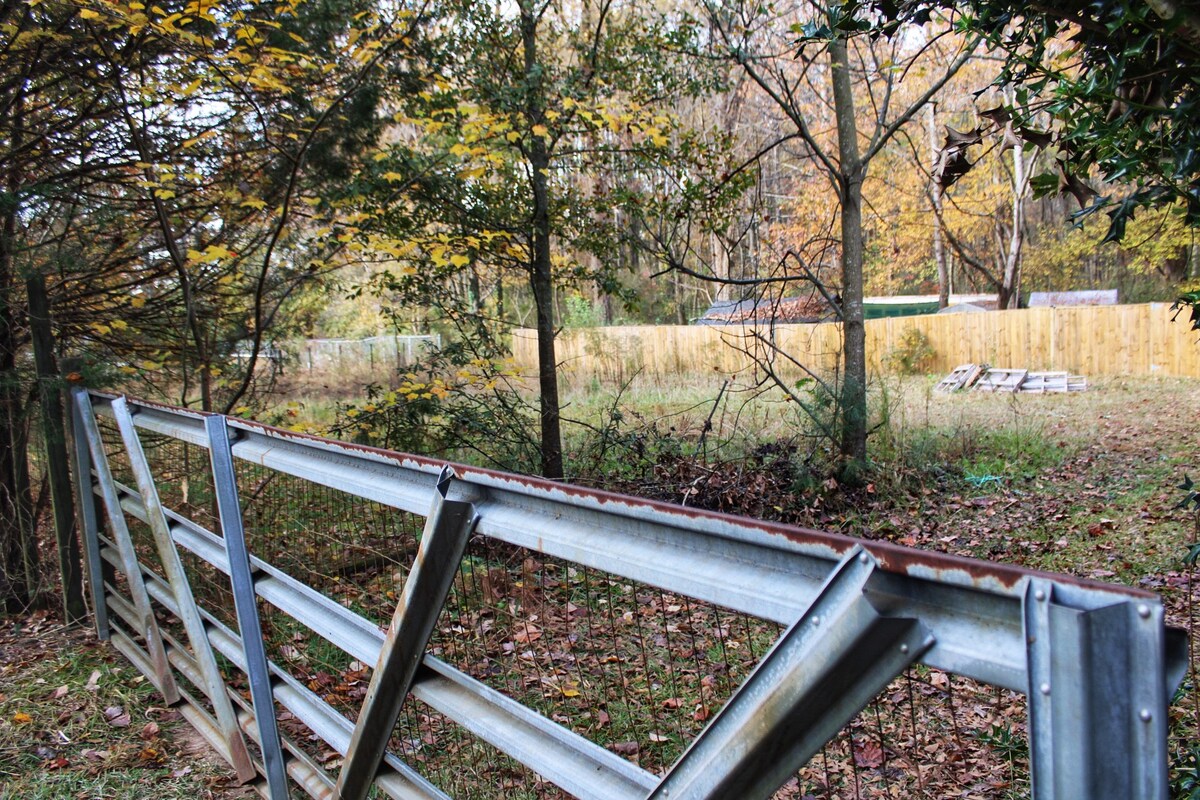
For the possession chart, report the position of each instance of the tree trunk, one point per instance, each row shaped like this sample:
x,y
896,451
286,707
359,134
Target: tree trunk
x,y
1010,289
851,170
541,276
474,290
18,543
1175,268
500,297
720,267
58,474
935,198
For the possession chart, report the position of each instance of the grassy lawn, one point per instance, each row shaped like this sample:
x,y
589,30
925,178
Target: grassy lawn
x,y
78,721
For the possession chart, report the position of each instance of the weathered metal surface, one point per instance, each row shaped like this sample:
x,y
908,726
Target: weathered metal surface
x,y
146,626
582,767
768,570
397,779
542,744
579,766
1097,698
337,625
422,472
85,509
308,774
823,671
246,604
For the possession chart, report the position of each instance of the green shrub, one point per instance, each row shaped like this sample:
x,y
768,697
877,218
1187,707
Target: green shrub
x,y
913,354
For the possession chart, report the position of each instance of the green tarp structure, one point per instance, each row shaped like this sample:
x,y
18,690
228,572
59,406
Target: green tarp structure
x,y
881,310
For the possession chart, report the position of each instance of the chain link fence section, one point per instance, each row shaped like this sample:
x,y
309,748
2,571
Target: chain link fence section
x,y
372,353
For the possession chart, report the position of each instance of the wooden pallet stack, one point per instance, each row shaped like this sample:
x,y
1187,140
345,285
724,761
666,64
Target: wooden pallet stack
x,y
983,378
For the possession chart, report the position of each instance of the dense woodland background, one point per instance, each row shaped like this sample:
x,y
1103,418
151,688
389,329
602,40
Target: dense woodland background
x,y
187,185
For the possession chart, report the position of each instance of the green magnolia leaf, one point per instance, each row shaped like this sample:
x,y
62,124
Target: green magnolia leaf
x,y
813,32
1044,185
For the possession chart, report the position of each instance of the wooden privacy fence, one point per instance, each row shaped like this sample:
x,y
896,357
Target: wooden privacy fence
x,y
1110,340
346,622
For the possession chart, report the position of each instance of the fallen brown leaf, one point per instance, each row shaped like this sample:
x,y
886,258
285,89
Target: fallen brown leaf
x,y
117,717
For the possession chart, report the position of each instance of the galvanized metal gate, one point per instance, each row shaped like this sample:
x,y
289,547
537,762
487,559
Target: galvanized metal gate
x,y
1096,661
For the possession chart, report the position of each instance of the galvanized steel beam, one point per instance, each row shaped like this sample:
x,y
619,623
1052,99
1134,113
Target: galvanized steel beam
x,y
85,507
397,780
146,626
1097,697
837,657
988,621
580,766
767,570
576,764
245,603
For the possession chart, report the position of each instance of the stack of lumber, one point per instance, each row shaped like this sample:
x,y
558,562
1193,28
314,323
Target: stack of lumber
x,y
983,378
1001,380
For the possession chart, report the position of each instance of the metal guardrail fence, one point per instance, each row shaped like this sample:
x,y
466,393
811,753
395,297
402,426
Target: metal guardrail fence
x,y
517,597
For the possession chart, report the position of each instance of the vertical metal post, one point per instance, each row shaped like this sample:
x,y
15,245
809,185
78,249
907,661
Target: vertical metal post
x,y
89,527
245,603
447,529
163,679
193,623
1097,698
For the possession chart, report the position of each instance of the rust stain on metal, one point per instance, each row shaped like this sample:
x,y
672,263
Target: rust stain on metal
x,y
109,397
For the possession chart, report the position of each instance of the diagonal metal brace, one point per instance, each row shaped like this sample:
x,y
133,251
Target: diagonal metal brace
x,y
164,681
824,669
189,614
447,529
